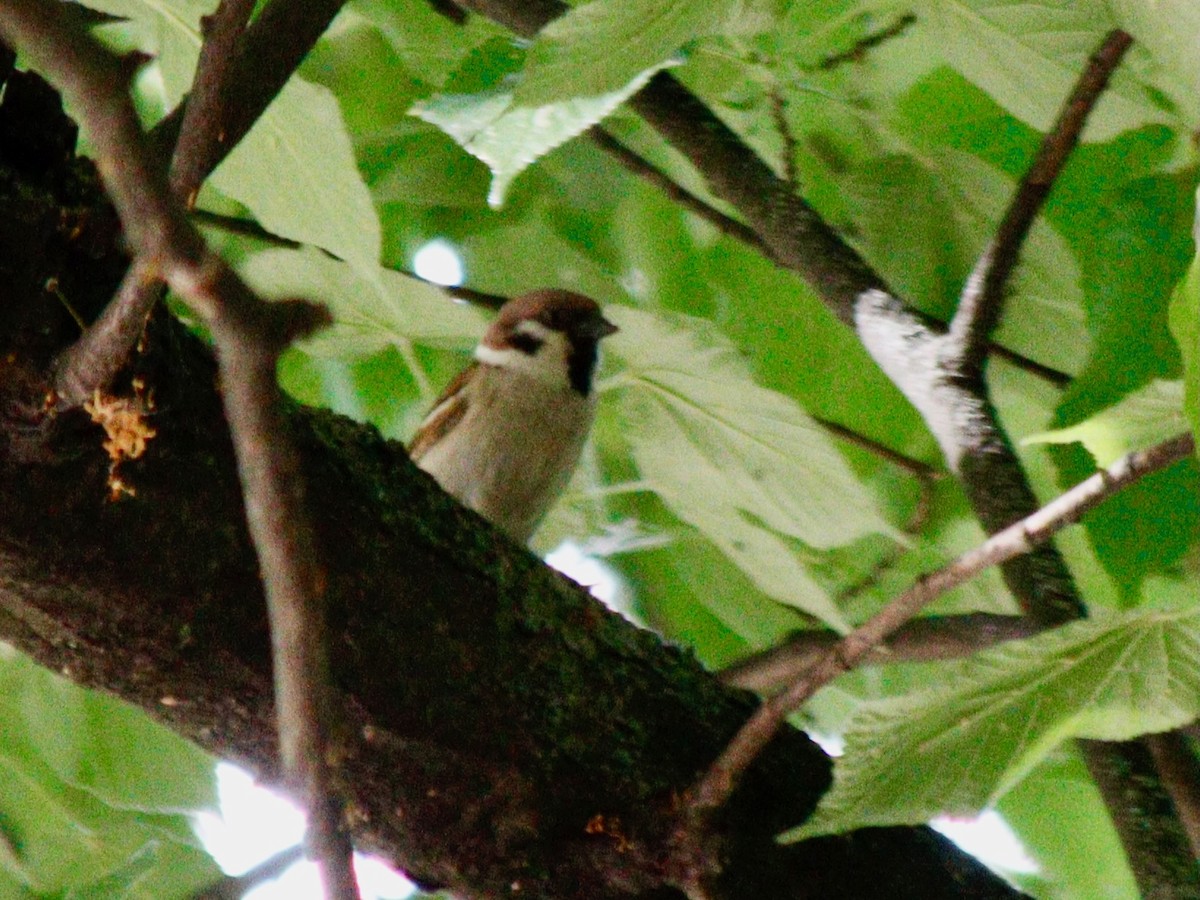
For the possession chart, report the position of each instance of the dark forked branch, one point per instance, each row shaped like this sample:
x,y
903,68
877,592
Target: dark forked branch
x,y
921,640
249,336
240,72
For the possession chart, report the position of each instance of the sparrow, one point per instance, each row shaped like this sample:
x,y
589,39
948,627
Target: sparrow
x,y
506,434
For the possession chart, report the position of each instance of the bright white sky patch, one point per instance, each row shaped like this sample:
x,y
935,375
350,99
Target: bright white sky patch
x,y
990,839
439,262
603,583
254,824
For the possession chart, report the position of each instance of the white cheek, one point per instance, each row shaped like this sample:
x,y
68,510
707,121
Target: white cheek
x,y
548,364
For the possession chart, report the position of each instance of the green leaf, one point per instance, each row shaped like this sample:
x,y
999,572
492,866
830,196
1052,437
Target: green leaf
x,y
598,47
956,748
1146,417
1185,327
744,465
295,170
478,110
370,311
1028,57
1077,850
94,791
98,744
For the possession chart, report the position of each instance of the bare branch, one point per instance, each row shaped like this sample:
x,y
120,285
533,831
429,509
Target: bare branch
x,y
271,49
779,116
711,792
205,110
921,640
232,89
899,460
235,887
103,349
685,198
860,48
1176,762
983,296
249,335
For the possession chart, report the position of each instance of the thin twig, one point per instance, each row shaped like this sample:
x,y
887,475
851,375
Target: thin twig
x,y
921,640
899,460
235,887
714,788
249,336
244,227
860,48
779,116
983,296
643,169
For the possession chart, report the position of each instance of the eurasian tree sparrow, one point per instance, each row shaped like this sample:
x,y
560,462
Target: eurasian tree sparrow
x,y
505,436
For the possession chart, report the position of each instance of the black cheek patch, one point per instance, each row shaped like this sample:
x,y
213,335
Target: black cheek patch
x,y
580,366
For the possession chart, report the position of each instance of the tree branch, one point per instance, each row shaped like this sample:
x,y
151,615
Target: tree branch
x,y
239,73
235,887
983,295
712,791
249,336
206,109
921,640
685,198
271,49
1175,759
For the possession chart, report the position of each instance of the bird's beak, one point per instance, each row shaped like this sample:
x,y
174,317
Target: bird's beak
x,y
599,327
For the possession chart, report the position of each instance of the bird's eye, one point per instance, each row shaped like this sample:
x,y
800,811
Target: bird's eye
x,y
525,342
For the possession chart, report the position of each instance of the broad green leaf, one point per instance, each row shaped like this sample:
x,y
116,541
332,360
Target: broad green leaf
x,y
478,109
1169,31
598,47
423,38
1185,327
744,465
958,747
386,308
1028,57
93,787
1077,849
295,170
1144,418
98,744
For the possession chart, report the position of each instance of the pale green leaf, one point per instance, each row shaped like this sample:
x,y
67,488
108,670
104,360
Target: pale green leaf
x,y
1185,327
743,464
956,748
98,744
1170,31
1029,55
477,109
295,170
598,47
90,783
1144,418
370,312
